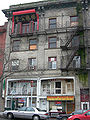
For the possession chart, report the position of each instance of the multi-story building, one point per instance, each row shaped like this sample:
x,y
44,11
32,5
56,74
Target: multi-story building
x,y
47,55
3,31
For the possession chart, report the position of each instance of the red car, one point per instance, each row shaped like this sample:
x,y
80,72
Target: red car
x,y
84,116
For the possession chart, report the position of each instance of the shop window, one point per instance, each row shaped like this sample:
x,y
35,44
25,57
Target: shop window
x,y
33,44
58,87
15,64
32,63
16,45
76,62
52,23
73,20
52,42
52,62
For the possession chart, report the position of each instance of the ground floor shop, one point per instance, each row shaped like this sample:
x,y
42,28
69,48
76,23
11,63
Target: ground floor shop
x,y
46,93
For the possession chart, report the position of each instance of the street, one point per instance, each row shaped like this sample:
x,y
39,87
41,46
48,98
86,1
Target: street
x,y
1,118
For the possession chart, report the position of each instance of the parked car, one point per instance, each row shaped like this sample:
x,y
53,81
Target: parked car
x,y
65,116
83,116
26,113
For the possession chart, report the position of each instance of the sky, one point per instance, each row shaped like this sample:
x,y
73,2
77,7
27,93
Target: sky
x,y
5,5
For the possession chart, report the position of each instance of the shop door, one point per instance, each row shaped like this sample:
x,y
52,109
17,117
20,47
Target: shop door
x,y
70,107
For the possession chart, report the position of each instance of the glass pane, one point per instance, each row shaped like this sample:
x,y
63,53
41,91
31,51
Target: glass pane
x,y
52,45
52,39
52,21
52,25
33,42
54,65
58,85
74,19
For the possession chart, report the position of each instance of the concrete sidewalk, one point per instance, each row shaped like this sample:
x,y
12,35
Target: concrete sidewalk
x,y
1,114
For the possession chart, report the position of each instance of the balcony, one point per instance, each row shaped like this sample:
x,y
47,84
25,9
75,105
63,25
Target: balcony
x,y
55,91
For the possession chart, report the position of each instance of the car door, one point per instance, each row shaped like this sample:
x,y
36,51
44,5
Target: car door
x,y
29,113
20,113
87,116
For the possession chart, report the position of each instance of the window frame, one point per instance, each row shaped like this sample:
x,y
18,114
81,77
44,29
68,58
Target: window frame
x,y
50,43
57,88
33,44
52,63
16,47
17,66
54,24
31,66
73,22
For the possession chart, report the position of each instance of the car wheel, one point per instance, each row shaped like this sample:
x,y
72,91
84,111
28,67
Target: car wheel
x,y
9,115
36,117
64,118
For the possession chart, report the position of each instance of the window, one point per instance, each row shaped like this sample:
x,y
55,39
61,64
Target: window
x,y
58,87
52,62
16,45
33,44
25,28
18,28
15,64
52,42
52,23
75,41
73,20
32,63
76,62
69,87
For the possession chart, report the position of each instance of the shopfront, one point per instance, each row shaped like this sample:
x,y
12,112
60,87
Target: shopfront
x,y
63,103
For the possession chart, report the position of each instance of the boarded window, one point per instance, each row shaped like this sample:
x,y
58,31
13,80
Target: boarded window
x,y
33,44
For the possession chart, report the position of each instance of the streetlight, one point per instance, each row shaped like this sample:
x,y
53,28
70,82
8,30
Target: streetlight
x,y
31,90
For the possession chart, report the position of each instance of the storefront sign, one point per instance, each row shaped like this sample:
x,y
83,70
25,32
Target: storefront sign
x,y
60,98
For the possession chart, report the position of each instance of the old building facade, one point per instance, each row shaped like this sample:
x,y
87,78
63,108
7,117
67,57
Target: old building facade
x,y
3,31
47,59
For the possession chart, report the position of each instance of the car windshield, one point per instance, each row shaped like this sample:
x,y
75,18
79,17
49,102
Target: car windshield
x,y
78,112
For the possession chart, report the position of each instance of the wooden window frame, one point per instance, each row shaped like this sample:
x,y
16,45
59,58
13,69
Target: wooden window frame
x,y
51,24
73,23
16,46
33,44
52,42
17,66
52,62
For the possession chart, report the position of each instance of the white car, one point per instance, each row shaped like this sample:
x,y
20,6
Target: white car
x,y
26,113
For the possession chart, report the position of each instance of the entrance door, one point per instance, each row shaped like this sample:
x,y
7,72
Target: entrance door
x,y
70,107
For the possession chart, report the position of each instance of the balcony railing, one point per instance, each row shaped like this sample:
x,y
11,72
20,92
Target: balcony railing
x,y
53,91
